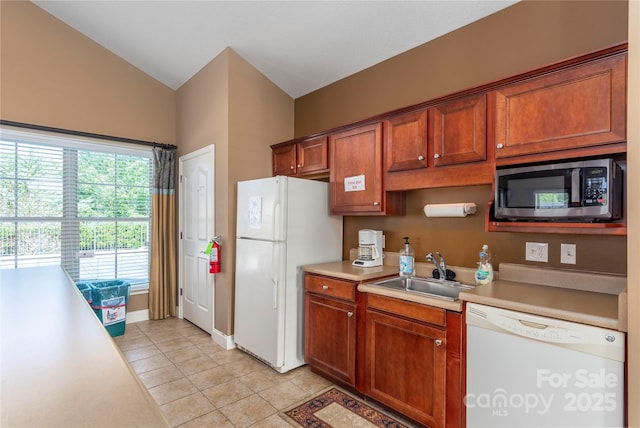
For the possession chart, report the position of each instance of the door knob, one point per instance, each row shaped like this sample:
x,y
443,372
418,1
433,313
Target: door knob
x,y
499,146
436,156
420,158
349,314
438,342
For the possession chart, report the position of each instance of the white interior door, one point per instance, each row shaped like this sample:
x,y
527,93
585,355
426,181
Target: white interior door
x,y
196,208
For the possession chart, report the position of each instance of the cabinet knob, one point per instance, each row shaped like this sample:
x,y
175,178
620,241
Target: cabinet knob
x,y
436,156
325,287
349,314
299,165
291,167
375,204
499,146
438,342
420,158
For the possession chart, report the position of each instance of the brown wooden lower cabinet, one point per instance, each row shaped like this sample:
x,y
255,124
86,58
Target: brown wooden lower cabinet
x,y
404,355
330,337
406,367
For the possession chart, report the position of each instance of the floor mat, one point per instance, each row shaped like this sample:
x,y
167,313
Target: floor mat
x,y
337,409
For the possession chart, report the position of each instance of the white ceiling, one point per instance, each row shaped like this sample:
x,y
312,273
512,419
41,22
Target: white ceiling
x,y
300,45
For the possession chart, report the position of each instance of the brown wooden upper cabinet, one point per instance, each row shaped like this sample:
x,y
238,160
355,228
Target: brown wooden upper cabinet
x,y
459,131
307,157
356,173
575,107
405,141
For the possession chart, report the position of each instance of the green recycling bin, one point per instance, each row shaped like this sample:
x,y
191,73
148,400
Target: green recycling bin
x,y
109,301
85,288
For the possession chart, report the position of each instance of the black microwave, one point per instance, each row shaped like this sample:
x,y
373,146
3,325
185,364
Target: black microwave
x,y
588,190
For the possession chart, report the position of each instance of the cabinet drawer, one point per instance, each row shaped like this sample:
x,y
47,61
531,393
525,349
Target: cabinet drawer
x,y
411,310
330,287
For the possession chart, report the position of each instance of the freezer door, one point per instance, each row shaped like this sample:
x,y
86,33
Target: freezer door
x,y
261,209
259,299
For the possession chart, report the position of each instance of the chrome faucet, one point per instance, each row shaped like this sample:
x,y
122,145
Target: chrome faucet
x,y
440,264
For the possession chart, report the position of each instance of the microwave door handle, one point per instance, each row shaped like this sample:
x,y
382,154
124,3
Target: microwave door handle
x,y
575,187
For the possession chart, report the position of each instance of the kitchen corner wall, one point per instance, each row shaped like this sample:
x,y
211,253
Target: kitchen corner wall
x,y
51,75
233,106
527,35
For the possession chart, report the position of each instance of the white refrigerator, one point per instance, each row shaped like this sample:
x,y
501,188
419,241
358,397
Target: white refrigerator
x,y
283,223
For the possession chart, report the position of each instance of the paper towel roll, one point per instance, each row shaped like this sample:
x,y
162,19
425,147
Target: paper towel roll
x,y
449,210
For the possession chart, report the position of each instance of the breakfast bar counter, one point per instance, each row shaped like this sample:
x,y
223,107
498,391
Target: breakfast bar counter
x,y
59,366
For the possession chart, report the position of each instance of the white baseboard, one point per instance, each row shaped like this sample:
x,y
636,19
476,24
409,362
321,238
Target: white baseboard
x,y
137,316
223,340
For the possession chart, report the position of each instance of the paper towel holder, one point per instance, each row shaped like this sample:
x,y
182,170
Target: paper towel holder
x,y
461,209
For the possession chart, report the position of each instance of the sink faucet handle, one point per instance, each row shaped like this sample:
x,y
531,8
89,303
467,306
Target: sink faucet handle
x,y
443,265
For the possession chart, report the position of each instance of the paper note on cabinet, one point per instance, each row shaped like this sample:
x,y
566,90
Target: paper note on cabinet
x,y
354,184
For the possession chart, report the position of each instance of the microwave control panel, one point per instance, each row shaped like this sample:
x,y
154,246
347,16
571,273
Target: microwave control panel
x,y
595,186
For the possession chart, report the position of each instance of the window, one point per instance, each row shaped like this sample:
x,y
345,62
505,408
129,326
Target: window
x,y
84,205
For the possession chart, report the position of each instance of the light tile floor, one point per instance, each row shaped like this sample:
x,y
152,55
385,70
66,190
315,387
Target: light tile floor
x,y
197,383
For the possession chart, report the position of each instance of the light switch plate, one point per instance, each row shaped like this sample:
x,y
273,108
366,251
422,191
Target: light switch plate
x,y
537,252
568,254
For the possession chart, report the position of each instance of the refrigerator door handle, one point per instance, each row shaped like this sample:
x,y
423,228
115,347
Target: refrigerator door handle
x,y
275,272
277,212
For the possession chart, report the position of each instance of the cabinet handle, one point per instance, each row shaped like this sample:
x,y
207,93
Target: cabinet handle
x,y
349,314
420,158
499,146
436,156
375,204
438,342
325,287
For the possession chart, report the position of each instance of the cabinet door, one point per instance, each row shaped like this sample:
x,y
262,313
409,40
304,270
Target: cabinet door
x,y
356,170
312,156
284,160
572,108
330,337
405,139
459,131
405,367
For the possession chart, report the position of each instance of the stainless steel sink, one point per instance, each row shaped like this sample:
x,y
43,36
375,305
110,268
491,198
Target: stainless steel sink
x,y
432,287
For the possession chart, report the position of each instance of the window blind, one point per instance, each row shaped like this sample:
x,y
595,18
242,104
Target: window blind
x,y
82,204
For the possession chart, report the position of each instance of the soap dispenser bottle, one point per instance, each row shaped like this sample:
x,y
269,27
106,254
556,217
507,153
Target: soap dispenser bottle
x,y
484,273
406,259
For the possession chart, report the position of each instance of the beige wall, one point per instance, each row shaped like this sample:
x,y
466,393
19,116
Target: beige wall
x,y
633,157
52,75
524,36
233,106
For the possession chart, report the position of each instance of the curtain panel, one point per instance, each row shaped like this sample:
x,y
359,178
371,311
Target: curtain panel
x,y
163,264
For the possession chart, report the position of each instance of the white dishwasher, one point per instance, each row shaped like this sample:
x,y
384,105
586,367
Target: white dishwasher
x,y
530,371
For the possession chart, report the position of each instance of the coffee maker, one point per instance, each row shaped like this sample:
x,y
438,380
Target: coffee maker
x,y
370,245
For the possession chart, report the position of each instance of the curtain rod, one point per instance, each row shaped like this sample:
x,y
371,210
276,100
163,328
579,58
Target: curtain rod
x,y
86,134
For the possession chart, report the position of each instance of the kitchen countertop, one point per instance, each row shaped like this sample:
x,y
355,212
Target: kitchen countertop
x,y
584,297
345,270
60,367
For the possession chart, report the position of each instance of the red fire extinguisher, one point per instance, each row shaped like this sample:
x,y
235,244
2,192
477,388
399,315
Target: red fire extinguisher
x,y
214,255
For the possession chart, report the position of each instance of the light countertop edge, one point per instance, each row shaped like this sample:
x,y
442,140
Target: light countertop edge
x,y
60,367
567,301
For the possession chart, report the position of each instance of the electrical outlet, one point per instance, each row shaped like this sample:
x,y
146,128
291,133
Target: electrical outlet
x,y
568,254
537,252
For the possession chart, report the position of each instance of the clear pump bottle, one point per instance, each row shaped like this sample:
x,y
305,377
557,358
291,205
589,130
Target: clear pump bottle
x,y
406,261
484,273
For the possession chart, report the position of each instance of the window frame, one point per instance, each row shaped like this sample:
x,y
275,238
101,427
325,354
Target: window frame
x,y
69,219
